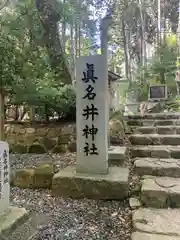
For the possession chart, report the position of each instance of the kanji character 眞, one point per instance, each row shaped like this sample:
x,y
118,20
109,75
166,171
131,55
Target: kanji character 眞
x,y
89,74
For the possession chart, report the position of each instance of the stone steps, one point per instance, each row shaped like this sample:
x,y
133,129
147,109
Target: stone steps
x,y
155,151
160,192
146,123
154,116
154,139
171,129
168,167
156,224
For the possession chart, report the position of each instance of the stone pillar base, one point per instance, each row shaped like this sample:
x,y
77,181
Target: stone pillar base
x,y
68,183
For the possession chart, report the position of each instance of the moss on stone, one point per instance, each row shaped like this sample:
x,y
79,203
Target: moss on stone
x,y
116,131
23,178
36,148
63,148
72,146
63,139
19,148
49,143
40,177
43,176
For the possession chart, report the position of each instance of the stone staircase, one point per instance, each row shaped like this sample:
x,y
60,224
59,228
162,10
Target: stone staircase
x,y
156,154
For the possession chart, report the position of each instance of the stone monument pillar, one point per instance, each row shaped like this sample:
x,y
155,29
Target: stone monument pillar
x,y
4,178
10,216
92,114
91,176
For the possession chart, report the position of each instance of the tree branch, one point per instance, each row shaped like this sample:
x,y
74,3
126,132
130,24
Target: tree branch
x,y
7,2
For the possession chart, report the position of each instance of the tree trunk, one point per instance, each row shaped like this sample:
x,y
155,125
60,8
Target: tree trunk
x,y
178,31
76,39
49,19
64,32
72,62
16,112
46,113
143,44
79,42
125,49
32,113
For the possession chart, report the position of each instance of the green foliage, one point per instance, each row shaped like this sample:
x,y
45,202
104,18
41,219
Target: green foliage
x,y
160,69
142,92
26,75
65,103
173,105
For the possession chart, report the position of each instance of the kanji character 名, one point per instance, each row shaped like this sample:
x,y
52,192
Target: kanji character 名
x,y
90,131
90,94
90,112
89,74
90,150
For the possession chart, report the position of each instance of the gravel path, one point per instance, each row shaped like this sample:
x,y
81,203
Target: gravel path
x,y
30,160
69,219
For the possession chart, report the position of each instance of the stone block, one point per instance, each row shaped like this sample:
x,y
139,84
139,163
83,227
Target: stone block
x,y
164,122
175,152
154,151
62,148
117,155
157,221
152,116
116,132
43,174
36,148
170,139
134,203
139,139
23,178
19,148
154,139
139,151
114,185
48,143
72,146
148,122
149,236
134,123
146,130
39,177
11,219
177,129
166,129
30,130
157,167
63,139
160,192
160,151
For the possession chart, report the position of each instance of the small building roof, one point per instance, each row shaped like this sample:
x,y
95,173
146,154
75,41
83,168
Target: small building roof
x,y
113,76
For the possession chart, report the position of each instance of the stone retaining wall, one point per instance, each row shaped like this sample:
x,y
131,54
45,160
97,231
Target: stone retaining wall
x,y
40,137
24,137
